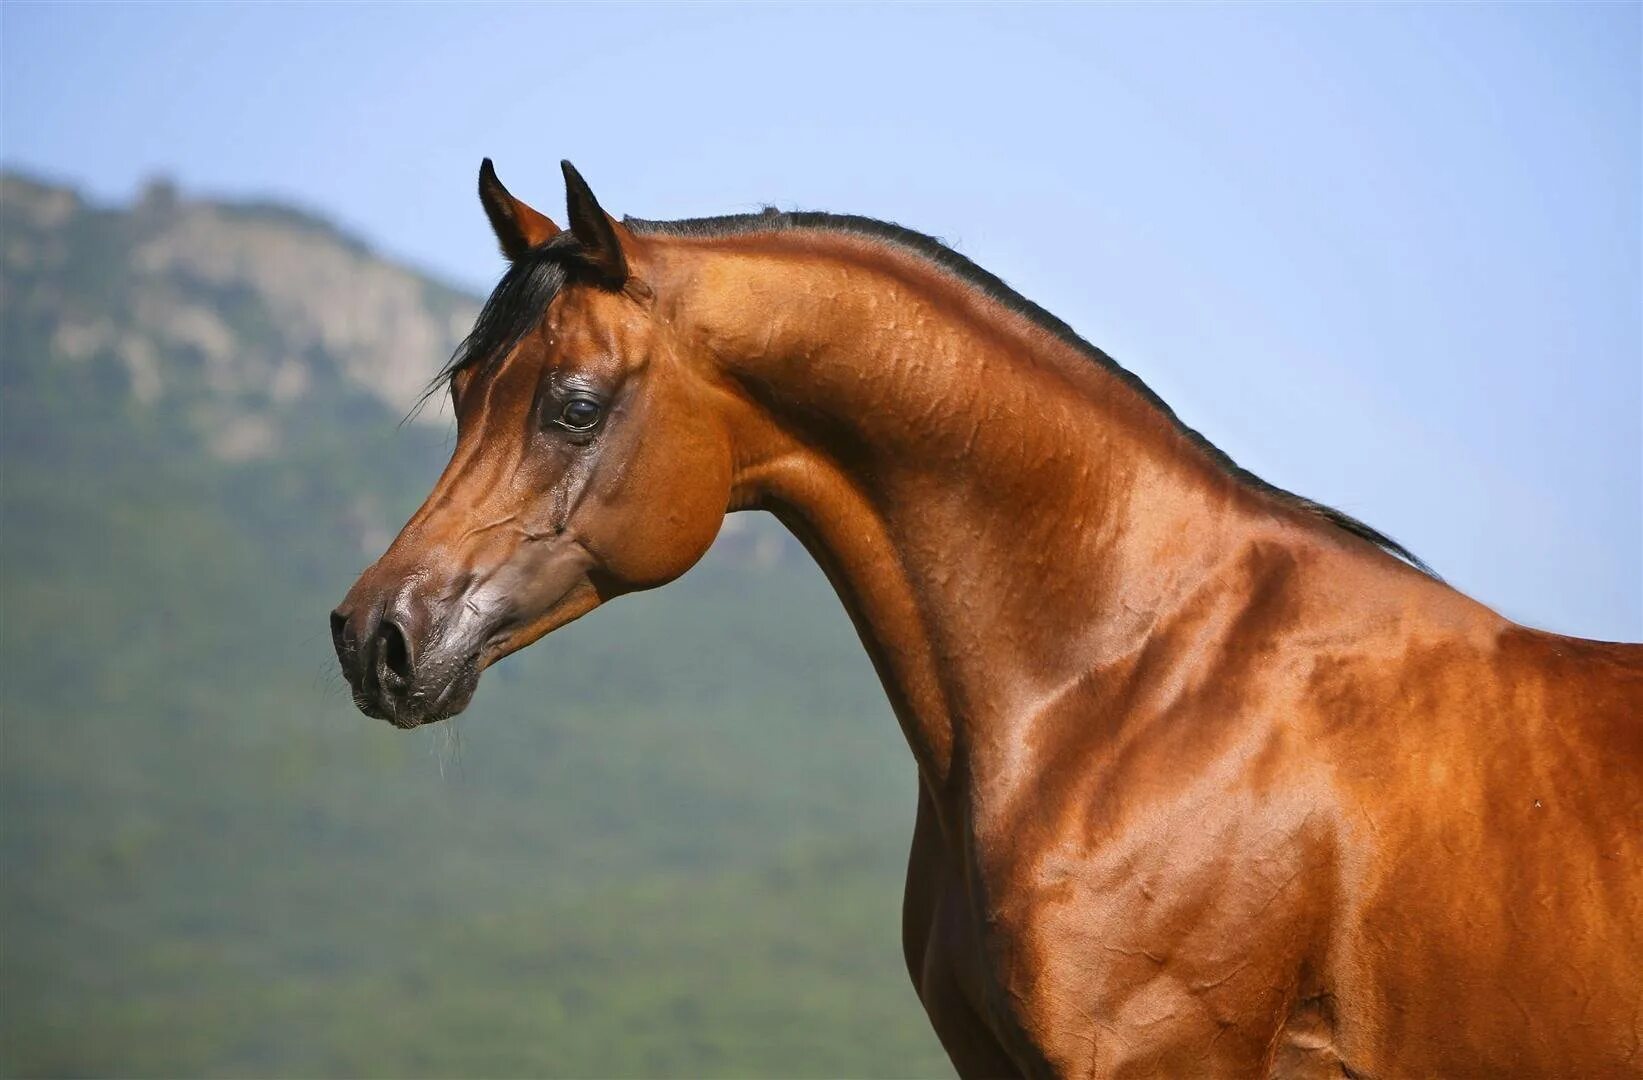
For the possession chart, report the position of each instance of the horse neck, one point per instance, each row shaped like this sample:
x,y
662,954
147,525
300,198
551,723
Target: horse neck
x,y
1001,514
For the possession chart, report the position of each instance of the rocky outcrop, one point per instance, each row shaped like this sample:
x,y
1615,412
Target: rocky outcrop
x,y
238,318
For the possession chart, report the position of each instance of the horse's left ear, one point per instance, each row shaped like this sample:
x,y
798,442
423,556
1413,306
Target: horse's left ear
x,y
598,236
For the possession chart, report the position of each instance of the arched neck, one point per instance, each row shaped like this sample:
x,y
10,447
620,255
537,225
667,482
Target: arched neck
x,y
1000,512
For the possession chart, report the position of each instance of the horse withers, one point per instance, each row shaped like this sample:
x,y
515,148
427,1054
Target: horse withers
x,y
1213,780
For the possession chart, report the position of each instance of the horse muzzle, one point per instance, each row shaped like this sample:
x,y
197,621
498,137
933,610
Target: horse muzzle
x,y
404,662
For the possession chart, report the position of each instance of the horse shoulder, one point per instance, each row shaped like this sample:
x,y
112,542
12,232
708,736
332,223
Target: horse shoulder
x,y
1319,836
1489,899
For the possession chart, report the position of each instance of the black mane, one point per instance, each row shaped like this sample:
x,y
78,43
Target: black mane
x,y
532,281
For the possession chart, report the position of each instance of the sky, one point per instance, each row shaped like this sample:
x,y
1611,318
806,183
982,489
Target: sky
x,y
1387,256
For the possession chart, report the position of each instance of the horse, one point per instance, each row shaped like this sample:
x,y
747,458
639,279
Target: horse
x,y
1212,780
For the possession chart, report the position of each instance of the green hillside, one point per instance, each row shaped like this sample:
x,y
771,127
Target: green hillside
x,y
669,840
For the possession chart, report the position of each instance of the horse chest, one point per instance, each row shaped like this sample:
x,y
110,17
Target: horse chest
x,y
1147,948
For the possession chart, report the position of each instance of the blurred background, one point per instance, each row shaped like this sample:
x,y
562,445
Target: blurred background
x,y
1385,256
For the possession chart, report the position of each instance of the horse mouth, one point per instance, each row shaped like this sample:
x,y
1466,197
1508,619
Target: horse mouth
x,y
420,705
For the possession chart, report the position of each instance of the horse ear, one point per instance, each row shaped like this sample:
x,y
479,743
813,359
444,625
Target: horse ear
x,y
597,236
517,226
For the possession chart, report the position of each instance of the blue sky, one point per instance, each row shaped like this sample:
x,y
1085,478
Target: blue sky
x,y
1387,256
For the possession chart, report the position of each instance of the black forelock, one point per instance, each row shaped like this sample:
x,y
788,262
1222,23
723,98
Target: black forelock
x,y
512,310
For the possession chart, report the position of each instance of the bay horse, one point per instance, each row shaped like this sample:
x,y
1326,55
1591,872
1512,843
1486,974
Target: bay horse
x,y
1213,780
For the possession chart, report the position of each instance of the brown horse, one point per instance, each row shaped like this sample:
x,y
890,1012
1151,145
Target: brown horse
x,y
1213,780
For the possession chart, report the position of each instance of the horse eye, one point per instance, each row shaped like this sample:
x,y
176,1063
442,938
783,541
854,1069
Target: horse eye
x,y
579,414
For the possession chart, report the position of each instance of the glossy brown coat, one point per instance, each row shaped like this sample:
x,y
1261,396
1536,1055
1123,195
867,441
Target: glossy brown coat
x,y
1208,786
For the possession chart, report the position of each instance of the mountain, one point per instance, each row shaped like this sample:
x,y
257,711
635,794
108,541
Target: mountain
x,y
237,319
667,841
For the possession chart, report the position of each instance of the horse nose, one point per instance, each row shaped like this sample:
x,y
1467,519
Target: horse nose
x,y
406,659
374,648
353,634
339,627
395,652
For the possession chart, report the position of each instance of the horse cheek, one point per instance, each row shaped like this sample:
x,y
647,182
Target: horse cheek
x,y
667,509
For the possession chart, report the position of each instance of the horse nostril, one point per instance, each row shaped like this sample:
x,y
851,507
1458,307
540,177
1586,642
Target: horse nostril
x,y
338,622
396,652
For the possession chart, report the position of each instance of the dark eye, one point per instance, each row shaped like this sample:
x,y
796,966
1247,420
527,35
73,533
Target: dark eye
x,y
580,414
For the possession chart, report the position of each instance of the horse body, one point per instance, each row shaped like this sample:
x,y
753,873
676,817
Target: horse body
x,y
1301,870
1211,788
1209,785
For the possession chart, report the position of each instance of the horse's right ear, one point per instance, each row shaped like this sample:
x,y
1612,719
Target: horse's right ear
x,y
518,227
